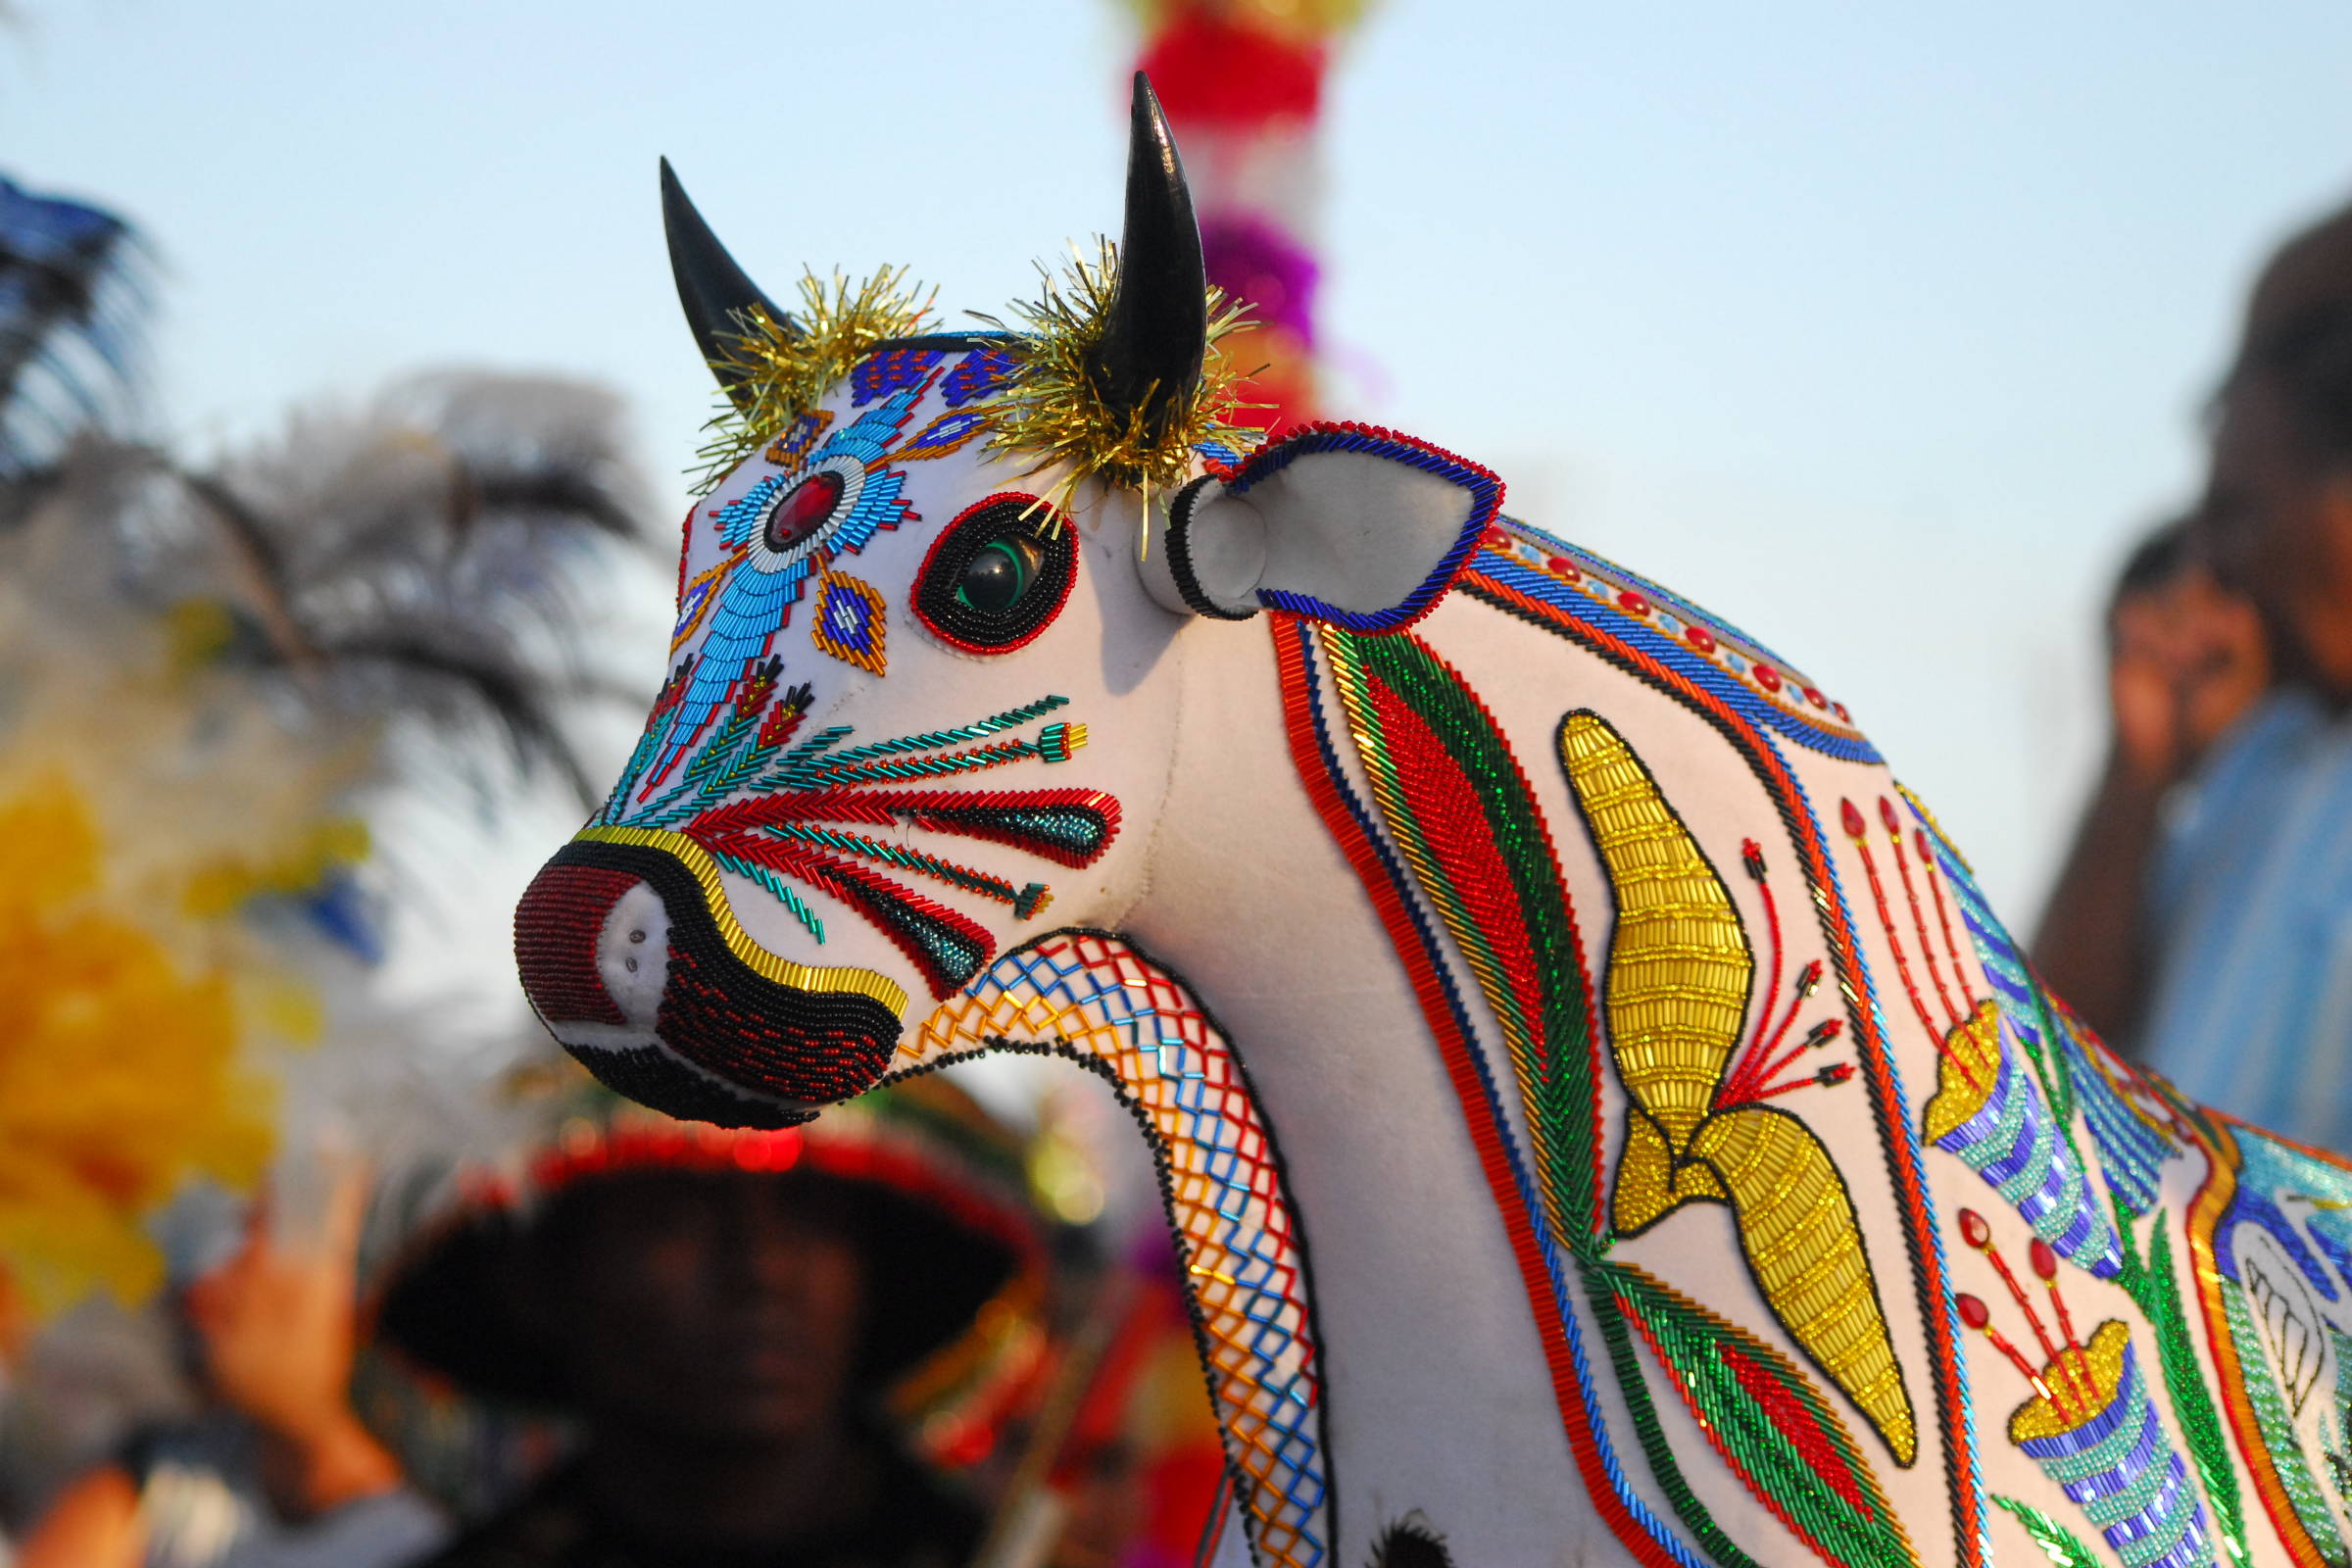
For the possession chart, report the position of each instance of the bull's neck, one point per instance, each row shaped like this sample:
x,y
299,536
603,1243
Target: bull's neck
x,y
1417,1237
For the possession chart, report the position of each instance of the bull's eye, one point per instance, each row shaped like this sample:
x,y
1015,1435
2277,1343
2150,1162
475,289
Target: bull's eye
x,y
1001,572
998,575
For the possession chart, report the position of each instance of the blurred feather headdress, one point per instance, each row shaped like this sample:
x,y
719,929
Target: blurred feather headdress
x,y
210,682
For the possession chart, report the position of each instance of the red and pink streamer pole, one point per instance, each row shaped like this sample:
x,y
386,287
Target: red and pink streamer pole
x,y
1242,81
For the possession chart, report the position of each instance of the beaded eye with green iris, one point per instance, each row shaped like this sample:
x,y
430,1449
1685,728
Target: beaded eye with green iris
x,y
1004,572
998,573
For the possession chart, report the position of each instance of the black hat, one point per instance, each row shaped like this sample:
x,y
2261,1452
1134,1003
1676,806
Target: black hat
x,y
927,1183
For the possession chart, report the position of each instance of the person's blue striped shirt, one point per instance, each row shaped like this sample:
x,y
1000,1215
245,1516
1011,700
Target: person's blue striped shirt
x,y
2250,903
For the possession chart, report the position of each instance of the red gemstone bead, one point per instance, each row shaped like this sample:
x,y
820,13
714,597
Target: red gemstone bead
x,y
1634,602
1974,1231
1813,696
1498,539
1767,677
1919,840
1973,1313
804,511
1851,817
1699,638
1843,717
1565,567
1886,815
2045,1261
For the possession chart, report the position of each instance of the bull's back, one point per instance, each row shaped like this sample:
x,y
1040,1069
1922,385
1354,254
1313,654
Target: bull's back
x,y
1859,1246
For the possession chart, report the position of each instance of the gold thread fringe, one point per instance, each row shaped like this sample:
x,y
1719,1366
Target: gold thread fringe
x,y
1052,409
784,372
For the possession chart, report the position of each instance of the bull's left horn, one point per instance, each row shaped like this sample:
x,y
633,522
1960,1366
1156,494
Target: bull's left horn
x,y
718,294
1149,355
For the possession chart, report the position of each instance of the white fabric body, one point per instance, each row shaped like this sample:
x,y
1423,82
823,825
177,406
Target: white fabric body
x,y
1435,1384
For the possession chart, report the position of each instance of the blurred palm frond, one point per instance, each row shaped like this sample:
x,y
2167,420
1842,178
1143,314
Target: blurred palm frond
x,y
73,296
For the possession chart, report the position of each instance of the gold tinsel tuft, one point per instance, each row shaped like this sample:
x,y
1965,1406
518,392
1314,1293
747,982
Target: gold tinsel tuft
x,y
1049,410
1052,409
784,372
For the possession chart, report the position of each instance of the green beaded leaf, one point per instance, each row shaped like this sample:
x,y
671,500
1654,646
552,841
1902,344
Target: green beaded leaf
x,y
2278,1428
1663,1465
2152,1288
1466,820
2063,1546
1770,1425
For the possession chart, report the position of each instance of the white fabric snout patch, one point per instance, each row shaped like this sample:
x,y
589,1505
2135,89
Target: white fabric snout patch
x,y
632,954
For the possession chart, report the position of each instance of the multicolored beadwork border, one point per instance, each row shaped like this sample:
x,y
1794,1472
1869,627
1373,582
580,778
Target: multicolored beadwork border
x,y
1637,611
1096,997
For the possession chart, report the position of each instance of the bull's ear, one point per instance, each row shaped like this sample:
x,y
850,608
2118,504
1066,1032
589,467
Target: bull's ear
x,y
1357,527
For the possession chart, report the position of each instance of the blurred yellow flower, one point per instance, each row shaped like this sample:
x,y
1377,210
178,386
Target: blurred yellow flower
x,y
119,1072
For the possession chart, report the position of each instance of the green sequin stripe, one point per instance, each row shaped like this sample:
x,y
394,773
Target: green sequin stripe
x,y
768,878
835,772
1798,1470
2277,1427
2335,1441
898,854
2155,1293
2057,1074
2059,1544
723,740
1648,1429
1551,1055
933,740
641,758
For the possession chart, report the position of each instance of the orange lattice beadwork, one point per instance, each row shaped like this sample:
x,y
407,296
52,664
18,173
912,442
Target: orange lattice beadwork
x,y
1096,998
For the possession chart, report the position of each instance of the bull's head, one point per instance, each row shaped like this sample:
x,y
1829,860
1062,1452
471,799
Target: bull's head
x,y
922,674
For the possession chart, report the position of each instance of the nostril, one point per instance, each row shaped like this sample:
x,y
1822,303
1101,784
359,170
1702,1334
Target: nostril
x,y
638,924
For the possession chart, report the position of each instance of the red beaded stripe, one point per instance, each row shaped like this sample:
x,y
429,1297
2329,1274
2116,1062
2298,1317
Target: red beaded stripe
x,y
555,930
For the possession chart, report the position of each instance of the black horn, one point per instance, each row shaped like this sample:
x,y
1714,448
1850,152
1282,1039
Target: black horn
x,y
718,294
1149,355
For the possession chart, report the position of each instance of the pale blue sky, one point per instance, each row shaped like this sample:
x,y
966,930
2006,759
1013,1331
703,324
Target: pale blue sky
x,y
1880,335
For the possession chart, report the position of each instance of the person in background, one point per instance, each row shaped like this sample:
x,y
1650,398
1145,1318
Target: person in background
x,y
2186,658
2204,919
740,1325
280,1472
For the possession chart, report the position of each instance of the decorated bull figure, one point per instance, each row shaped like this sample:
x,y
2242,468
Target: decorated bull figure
x,y
1600,1117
